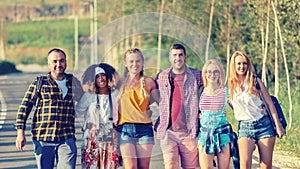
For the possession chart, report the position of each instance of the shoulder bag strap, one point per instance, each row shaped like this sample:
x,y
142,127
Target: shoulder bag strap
x,y
264,102
110,105
36,97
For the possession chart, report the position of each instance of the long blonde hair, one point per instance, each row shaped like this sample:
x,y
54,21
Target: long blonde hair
x,y
215,62
234,82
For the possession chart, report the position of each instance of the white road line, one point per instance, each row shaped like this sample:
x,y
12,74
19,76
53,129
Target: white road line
x,y
3,110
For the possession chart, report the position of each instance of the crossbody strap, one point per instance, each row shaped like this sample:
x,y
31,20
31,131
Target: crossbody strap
x,y
263,100
37,95
110,106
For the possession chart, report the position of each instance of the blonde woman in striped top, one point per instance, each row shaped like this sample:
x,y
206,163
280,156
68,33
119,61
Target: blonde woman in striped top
x,y
216,134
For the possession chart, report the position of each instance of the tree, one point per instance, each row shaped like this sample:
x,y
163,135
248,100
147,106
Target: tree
x,y
209,29
285,64
159,34
265,49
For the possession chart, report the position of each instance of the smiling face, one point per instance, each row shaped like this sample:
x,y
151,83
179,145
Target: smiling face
x,y
177,59
57,64
212,74
241,65
134,63
101,80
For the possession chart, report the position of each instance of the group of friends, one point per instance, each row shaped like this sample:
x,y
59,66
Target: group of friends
x,y
192,126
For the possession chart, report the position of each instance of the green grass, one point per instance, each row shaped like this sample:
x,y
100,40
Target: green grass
x,y
45,33
29,41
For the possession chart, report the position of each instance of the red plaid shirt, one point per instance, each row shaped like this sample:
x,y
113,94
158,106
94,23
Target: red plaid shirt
x,y
192,82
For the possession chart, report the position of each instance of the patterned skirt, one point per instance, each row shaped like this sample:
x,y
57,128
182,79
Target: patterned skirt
x,y
99,154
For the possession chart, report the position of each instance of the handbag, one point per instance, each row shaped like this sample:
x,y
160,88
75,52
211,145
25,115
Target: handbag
x,y
277,107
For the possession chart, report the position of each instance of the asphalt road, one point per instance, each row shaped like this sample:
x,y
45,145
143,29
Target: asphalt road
x,y
12,89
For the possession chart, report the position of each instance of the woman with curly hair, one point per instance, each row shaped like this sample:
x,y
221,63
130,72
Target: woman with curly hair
x,y
99,106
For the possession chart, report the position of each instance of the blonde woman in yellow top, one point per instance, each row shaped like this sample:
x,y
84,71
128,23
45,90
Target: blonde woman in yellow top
x,y
136,137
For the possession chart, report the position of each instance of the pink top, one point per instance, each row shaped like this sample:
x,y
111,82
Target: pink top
x,y
178,114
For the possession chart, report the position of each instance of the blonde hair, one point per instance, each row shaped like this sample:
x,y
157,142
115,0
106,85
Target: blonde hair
x,y
215,62
126,76
234,82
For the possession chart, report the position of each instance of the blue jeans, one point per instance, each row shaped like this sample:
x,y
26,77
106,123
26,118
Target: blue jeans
x,y
64,153
256,130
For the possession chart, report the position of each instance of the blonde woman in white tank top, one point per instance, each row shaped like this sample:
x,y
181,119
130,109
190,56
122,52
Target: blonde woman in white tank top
x,y
254,125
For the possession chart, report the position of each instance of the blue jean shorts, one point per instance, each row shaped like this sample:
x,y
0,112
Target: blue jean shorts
x,y
134,133
256,130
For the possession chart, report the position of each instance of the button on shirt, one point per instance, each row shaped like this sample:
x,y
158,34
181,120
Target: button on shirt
x,y
54,118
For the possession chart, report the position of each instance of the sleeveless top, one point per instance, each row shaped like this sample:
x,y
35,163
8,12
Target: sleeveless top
x,y
134,106
246,107
213,116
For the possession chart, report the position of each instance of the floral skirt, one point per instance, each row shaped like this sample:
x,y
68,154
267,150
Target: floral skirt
x,y
97,154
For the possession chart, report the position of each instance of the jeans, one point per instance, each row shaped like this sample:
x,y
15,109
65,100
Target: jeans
x,y
136,134
256,130
64,153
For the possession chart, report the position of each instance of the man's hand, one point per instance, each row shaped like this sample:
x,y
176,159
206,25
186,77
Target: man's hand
x,y
20,140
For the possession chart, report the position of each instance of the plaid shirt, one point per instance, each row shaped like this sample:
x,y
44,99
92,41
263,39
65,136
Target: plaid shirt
x,y
192,82
214,139
54,117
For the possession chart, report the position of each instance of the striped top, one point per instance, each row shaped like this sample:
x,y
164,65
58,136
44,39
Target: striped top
x,y
213,102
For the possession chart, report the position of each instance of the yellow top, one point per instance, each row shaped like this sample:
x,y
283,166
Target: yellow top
x,y
134,104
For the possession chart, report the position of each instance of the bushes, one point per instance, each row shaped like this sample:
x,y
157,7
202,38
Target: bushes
x,y
7,67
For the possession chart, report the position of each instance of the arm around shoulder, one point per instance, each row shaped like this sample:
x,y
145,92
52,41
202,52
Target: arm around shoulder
x,y
154,94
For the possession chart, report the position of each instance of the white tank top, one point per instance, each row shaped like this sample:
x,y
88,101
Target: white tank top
x,y
246,107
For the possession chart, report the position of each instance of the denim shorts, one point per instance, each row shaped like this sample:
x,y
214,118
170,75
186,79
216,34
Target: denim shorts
x,y
256,130
134,133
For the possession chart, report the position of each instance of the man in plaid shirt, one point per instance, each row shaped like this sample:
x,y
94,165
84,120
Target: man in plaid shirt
x,y
178,108
53,129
